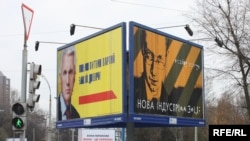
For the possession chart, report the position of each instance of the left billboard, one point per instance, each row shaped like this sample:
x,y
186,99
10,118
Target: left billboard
x,y
90,80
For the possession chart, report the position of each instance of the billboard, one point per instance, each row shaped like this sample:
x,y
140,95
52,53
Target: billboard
x,y
166,79
90,79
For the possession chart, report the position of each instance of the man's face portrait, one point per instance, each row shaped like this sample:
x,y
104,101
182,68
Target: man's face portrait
x,y
67,77
154,54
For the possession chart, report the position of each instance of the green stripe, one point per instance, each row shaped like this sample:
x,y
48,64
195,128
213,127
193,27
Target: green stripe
x,y
199,103
176,68
188,89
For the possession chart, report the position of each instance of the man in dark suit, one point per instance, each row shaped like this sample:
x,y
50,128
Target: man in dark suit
x,y
150,94
158,81
67,76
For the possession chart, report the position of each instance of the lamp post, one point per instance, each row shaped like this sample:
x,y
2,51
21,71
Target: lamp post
x,y
72,134
201,39
186,26
216,39
219,42
73,26
58,130
38,42
49,126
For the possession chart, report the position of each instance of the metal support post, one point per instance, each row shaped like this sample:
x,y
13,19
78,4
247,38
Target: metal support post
x,y
49,126
195,134
27,20
130,131
24,80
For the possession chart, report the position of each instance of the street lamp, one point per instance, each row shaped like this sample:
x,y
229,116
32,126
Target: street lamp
x,y
58,130
36,48
38,42
201,39
218,41
49,129
186,26
73,26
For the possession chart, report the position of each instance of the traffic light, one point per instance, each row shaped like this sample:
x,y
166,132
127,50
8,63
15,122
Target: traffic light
x,y
19,116
34,84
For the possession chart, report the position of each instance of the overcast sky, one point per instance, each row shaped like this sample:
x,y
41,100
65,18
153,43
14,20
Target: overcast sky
x,y
51,22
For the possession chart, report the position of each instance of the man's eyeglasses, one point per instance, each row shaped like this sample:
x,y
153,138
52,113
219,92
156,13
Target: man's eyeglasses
x,y
159,61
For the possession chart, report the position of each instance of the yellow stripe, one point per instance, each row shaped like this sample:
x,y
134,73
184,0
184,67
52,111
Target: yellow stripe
x,y
199,81
173,51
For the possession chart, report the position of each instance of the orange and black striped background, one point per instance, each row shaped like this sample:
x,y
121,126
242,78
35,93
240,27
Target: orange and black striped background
x,y
184,73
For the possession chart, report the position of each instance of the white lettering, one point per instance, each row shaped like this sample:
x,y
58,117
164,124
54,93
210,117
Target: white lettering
x,y
165,107
216,132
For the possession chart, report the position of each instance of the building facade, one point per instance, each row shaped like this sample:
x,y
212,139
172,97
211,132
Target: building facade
x,y
4,92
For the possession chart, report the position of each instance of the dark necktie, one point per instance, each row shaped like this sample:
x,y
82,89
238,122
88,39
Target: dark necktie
x,y
67,113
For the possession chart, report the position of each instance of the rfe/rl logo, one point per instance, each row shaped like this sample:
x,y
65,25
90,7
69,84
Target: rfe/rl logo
x,y
229,132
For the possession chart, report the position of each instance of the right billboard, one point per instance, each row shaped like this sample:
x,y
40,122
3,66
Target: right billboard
x,y
166,79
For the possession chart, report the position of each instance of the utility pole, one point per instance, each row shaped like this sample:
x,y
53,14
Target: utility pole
x,y
24,80
27,20
72,135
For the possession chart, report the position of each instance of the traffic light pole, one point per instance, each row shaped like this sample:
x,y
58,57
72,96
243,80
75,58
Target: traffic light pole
x,y
27,14
24,72
24,79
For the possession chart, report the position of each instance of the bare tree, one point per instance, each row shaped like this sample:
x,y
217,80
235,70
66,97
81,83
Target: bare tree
x,y
36,128
222,114
228,22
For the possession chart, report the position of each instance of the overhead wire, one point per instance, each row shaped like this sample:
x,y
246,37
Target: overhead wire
x,y
145,5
